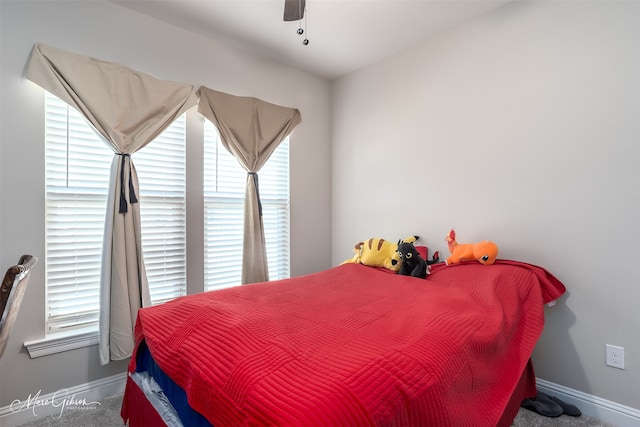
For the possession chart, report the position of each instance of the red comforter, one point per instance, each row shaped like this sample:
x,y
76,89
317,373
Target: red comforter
x,y
355,346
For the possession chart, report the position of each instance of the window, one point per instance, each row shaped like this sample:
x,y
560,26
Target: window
x,y
77,179
224,188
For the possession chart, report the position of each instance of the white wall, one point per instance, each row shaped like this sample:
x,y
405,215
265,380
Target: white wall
x,y
522,127
110,32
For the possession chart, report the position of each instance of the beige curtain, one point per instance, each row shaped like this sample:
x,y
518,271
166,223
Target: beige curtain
x,y
251,129
128,109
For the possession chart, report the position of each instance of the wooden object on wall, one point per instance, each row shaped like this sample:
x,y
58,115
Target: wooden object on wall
x,y
12,290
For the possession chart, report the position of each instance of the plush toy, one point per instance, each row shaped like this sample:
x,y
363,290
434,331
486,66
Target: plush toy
x,y
484,252
411,262
377,252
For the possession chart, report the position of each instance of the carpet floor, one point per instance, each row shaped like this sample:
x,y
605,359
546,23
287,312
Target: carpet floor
x,y
108,415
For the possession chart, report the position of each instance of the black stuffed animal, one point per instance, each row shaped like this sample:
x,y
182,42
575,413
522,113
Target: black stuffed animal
x,y
411,262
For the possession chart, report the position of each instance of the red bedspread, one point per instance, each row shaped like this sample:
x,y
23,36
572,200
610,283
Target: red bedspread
x,y
355,346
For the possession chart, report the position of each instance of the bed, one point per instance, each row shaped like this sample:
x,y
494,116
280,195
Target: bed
x,y
349,346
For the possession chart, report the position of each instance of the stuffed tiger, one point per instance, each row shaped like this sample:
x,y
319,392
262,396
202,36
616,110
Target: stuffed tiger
x,y
377,252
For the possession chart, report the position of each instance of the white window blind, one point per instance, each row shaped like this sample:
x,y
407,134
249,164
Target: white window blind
x,y
224,188
162,176
77,180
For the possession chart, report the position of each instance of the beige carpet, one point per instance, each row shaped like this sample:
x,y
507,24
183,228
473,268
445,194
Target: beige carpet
x,y
108,415
526,418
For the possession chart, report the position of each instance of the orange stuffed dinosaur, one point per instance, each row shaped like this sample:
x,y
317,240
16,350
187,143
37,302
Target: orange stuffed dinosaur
x,y
484,252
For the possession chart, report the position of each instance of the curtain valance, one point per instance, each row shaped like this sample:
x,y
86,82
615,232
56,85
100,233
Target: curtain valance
x,y
127,107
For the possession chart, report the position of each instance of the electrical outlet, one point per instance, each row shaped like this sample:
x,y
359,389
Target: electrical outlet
x,y
615,356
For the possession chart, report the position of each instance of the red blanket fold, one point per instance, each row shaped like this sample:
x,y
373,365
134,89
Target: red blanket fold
x,y
355,346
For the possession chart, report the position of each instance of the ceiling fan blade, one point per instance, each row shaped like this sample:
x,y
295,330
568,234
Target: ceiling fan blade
x,y
294,10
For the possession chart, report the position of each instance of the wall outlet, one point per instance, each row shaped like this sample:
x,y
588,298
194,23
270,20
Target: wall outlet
x,y
615,356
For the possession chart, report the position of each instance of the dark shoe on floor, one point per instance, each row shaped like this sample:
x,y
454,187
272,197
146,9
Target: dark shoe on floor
x,y
567,408
543,406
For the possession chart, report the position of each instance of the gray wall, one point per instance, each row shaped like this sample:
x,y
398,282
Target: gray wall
x,y
522,127
110,32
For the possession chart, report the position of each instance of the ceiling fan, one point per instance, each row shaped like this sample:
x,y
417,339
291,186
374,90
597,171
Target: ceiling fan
x,y
294,10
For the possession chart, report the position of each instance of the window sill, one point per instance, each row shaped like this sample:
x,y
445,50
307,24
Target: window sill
x,y
65,341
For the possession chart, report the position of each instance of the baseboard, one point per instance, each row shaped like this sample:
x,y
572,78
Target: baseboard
x,y
38,406
593,406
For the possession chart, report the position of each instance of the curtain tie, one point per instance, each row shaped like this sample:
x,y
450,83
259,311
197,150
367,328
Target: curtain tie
x,y
132,193
254,175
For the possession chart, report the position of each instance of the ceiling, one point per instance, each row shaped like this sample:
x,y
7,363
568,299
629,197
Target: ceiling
x,y
343,35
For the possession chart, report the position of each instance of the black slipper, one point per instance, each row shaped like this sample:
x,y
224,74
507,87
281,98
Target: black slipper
x,y
567,408
543,406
